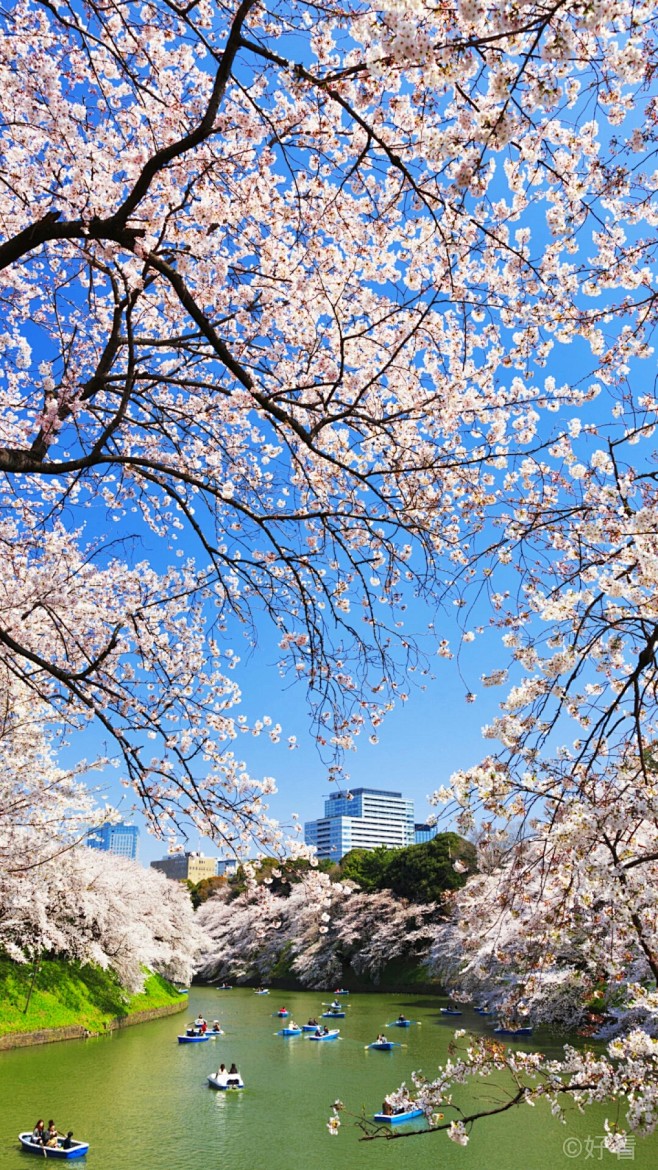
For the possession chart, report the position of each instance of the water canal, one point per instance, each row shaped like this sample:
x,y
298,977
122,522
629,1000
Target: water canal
x,y
143,1103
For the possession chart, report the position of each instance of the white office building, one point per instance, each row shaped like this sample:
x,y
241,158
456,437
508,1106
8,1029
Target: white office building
x,y
361,819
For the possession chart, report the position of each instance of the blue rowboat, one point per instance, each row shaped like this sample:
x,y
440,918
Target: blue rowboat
x,y
333,1035
384,1045
450,1012
341,991
262,991
197,1038
223,1086
333,1015
396,1118
399,1024
77,1150
282,1013
289,1032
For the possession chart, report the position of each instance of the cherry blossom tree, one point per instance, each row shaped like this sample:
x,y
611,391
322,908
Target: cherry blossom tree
x,y
318,930
276,281
95,908
346,305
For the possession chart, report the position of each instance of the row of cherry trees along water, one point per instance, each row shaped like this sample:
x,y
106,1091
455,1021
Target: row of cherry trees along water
x,y
312,314
59,898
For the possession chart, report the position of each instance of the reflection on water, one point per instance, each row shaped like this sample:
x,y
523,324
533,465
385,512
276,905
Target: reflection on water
x,y
142,1100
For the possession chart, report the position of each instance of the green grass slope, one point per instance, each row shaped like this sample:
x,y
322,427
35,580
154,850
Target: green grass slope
x,y
65,994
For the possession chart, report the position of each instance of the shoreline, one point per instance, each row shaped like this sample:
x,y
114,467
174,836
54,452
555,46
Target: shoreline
x,y
76,1032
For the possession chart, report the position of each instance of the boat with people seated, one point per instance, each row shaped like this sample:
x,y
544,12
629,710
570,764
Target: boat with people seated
x,y
75,1150
448,1011
384,1045
332,1034
333,1015
400,1023
396,1118
294,1030
221,1083
341,991
194,1037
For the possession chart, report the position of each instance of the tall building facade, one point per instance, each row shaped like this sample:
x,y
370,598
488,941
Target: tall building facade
x,y
361,819
120,839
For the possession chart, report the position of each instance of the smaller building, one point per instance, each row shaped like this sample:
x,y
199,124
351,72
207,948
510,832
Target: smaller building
x,y
424,833
121,839
194,867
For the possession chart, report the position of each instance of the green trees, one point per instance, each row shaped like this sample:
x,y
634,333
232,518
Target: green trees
x,y
420,873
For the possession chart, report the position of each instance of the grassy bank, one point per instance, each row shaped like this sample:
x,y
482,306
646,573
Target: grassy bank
x,y
64,994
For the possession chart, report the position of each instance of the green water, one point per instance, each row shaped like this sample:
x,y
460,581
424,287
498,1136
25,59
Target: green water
x,y
142,1100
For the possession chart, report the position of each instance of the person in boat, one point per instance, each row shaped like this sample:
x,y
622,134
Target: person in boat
x,y
313,1023
221,1076
402,1019
381,1039
322,1030
39,1133
387,1108
336,1006
292,1024
234,1077
216,1027
52,1135
68,1140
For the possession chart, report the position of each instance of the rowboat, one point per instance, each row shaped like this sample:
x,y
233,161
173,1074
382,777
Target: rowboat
x,y
289,1032
513,1031
399,1024
223,1085
384,1045
282,1013
309,1027
262,991
333,1015
450,1012
77,1150
195,1038
396,1118
341,991
225,987
332,1035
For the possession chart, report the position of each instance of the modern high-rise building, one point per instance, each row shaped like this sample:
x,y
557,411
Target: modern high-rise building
x,y
361,819
121,839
